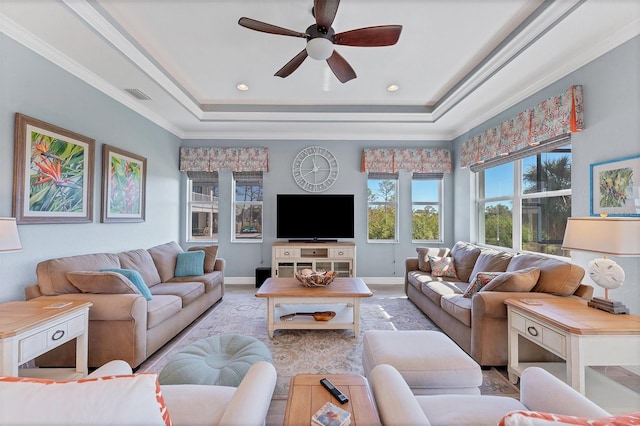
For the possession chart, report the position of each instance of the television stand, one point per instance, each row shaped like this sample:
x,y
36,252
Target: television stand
x,y
313,241
319,255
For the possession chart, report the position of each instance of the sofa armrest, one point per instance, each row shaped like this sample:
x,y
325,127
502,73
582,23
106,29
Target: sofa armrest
x,y
251,400
541,391
490,304
410,264
112,368
110,307
396,403
584,291
219,265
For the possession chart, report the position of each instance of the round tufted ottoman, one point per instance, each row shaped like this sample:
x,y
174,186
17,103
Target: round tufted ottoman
x,y
217,360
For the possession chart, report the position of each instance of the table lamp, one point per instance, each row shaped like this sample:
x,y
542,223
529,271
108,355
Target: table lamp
x,y
9,238
619,236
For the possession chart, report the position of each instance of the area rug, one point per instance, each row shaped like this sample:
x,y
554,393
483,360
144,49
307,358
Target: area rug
x,y
310,351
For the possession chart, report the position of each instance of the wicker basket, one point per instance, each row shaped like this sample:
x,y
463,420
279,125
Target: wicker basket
x,y
316,279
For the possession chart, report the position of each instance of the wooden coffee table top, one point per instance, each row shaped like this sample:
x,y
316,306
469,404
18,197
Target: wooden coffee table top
x,y
306,396
290,287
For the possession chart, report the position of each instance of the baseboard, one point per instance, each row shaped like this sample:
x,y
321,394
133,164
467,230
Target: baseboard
x,y
367,280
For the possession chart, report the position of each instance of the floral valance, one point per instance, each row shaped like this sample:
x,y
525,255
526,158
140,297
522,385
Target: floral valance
x,y
209,159
414,160
551,118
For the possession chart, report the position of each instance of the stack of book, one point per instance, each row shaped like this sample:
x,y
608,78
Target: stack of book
x,y
331,415
610,306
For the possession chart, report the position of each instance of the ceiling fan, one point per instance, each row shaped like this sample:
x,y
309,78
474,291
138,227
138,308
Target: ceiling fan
x,y
321,37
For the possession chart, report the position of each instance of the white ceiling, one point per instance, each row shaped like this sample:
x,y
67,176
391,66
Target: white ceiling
x,y
457,62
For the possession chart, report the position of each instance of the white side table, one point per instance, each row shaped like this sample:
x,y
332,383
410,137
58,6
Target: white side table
x,y
580,335
30,328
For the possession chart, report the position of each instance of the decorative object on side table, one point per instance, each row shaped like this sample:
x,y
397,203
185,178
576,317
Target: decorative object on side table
x,y
9,238
331,415
607,236
311,278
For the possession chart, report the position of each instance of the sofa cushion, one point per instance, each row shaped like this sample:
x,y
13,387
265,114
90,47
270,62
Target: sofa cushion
x,y
210,280
537,418
102,282
164,257
442,267
465,256
162,308
135,278
210,255
140,260
131,399
478,281
556,276
52,274
187,291
425,252
189,264
522,280
434,290
491,261
458,307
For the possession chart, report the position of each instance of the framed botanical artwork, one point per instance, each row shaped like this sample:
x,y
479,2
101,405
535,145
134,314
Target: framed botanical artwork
x,y
52,174
124,177
615,187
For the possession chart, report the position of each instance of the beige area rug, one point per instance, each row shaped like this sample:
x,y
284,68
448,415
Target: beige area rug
x,y
310,351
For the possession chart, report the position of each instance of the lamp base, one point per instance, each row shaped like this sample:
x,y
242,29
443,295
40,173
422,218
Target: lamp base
x,y
610,306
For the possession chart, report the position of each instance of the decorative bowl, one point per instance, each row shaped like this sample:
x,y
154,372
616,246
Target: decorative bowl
x,y
312,278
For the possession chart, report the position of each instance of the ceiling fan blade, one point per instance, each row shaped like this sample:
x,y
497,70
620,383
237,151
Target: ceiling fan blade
x,y
383,35
325,12
252,24
341,67
292,65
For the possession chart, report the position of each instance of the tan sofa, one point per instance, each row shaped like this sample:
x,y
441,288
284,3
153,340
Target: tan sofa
x,y
125,325
478,324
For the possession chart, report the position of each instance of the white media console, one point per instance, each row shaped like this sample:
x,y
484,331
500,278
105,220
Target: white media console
x,y
287,258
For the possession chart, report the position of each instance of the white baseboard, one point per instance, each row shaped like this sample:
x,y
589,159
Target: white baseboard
x,y
367,280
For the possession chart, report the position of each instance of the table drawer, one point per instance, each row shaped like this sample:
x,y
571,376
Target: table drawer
x,y
47,339
287,252
338,253
543,335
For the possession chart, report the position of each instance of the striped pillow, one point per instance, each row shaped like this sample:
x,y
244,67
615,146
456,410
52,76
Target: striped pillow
x,y
190,263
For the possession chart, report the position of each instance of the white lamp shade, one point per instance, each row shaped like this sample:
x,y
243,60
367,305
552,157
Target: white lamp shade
x,y
319,48
618,236
9,238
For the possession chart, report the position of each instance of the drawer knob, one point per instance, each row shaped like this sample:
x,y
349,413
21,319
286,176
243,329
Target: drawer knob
x,y
341,253
286,253
532,331
57,335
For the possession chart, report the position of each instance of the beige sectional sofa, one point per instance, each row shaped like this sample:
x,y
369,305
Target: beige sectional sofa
x,y
477,322
123,324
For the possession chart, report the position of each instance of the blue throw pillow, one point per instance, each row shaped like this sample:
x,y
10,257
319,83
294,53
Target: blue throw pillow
x,y
135,278
190,263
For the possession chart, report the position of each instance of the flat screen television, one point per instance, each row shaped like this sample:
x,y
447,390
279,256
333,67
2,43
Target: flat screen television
x,y
314,217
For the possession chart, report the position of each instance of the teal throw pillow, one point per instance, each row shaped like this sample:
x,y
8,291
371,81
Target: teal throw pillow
x,y
190,263
135,278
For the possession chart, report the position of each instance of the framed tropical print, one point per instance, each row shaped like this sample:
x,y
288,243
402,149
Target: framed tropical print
x,y
615,187
52,174
124,177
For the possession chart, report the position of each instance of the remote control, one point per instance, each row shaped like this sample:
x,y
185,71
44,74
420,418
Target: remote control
x,y
342,398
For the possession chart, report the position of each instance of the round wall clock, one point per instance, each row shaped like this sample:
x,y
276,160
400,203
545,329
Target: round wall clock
x,y
315,169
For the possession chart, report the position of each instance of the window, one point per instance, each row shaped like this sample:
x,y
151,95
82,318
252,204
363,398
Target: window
x,y
524,204
426,207
382,206
247,206
203,206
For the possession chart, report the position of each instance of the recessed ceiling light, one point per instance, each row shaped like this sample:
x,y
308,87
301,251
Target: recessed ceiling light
x,y
242,87
392,87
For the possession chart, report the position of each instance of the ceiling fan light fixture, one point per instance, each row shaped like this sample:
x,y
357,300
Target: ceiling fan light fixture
x,y
320,48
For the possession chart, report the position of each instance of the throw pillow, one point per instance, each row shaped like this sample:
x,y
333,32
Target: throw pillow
x,y
190,263
425,252
131,399
210,255
491,261
523,280
135,278
102,282
536,418
480,280
442,267
465,256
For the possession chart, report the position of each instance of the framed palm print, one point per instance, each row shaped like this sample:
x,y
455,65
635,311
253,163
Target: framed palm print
x,y
124,177
615,187
52,174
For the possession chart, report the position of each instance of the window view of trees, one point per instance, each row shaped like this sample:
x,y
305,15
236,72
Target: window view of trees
x,y
248,206
425,209
382,209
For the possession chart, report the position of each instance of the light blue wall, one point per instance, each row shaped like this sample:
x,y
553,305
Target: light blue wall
x,y
611,86
34,86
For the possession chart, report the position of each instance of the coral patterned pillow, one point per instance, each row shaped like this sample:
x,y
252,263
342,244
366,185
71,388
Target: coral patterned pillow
x,y
442,267
129,399
480,280
534,418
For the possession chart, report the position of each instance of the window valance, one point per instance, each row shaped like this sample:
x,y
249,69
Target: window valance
x,y
556,116
414,160
209,159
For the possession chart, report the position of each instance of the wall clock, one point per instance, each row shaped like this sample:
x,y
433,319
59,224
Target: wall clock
x,y
315,169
